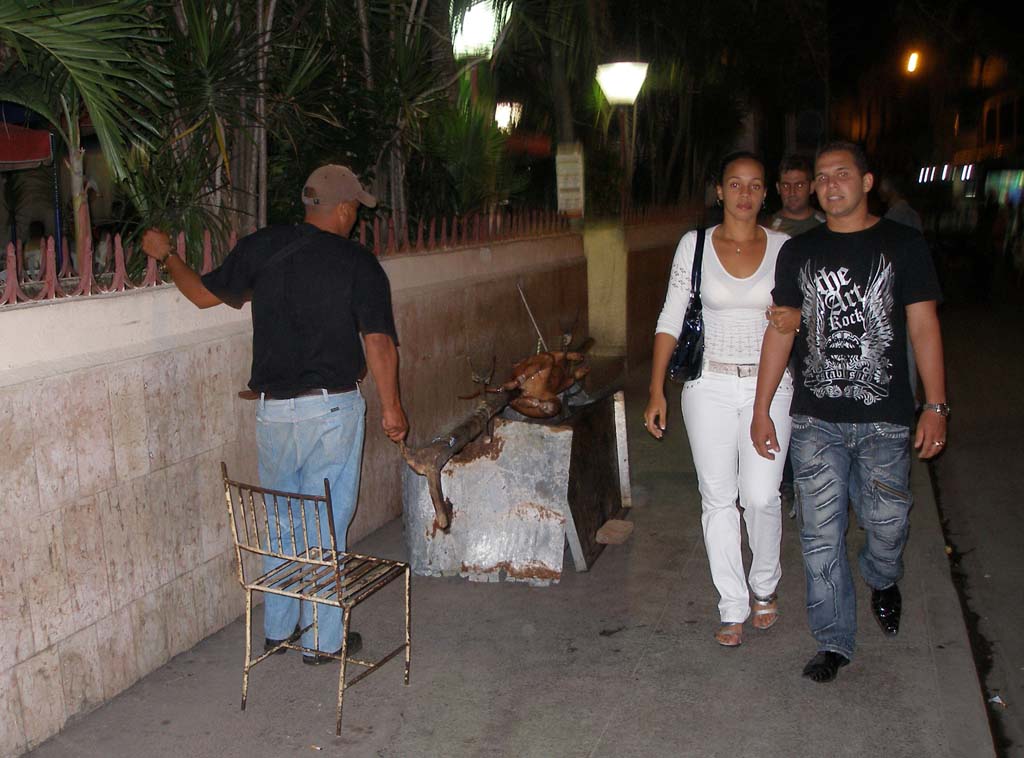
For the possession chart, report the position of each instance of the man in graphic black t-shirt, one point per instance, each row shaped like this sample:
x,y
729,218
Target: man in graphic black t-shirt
x,y
862,284
313,293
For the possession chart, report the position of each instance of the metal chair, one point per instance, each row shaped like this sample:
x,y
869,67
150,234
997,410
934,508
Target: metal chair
x,y
289,527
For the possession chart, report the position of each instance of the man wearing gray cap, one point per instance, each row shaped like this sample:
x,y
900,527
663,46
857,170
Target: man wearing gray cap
x,y
313,293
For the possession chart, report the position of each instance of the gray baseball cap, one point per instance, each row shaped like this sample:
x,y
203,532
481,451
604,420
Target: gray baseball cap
x,y
332,185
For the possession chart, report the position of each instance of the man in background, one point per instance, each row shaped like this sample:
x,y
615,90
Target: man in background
x,y
794,187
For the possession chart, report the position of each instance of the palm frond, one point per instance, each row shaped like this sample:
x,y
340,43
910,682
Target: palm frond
x,y
96,47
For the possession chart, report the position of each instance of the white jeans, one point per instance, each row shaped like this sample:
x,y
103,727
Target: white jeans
x,y
717,409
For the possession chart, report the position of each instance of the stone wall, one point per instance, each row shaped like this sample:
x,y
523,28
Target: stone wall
x,y
116,411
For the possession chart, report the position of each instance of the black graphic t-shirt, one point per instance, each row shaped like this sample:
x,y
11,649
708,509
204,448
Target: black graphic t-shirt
x,y
852,290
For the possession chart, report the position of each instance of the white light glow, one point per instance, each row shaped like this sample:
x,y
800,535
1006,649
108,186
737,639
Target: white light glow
x,y
931,174
621,82
506,115
945,171
963,173
479,30
912,62
920,175
970,171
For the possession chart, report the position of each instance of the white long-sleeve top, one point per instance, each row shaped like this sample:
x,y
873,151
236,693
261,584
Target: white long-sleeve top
x,y
734,320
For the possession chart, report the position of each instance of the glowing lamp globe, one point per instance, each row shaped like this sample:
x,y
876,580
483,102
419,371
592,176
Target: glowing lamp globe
x,y
506,115
621,82
479,30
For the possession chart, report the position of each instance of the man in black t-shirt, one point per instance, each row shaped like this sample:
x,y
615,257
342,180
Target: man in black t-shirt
x,y
862,284
313,293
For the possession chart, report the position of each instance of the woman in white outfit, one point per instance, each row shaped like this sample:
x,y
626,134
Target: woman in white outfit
x,y
737,277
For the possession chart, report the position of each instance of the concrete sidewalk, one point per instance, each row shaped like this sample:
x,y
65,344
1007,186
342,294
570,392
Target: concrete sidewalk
x,y
616,662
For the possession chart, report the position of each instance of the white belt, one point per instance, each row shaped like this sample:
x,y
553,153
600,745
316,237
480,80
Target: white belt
x,y
741,370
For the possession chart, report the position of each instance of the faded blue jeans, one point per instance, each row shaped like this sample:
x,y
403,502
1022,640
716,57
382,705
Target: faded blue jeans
x,y
302,442
867,464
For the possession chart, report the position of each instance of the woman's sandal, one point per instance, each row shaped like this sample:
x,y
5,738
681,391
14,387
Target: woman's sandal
x,y
729,635
766,612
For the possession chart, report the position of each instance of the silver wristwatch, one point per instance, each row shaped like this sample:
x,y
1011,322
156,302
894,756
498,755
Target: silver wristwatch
x,y
941,408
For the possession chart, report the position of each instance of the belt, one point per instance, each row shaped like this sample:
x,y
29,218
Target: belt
x,y
288,395
734,369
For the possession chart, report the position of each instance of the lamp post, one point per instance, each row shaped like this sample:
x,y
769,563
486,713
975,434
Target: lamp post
x,y
621,82
475,34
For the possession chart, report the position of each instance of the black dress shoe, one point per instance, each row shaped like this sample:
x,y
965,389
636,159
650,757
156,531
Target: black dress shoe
x,y
269,644
824,666
355,644
886,605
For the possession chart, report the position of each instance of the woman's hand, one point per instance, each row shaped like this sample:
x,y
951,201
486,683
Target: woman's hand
x,y
783,319
654,415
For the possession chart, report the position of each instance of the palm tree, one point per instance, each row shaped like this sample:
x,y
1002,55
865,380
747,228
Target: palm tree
x,y
70,63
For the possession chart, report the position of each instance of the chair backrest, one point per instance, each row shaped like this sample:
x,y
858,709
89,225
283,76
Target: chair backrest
x,y
288,526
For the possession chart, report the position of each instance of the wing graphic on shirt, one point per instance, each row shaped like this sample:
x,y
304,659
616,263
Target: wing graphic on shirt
x,y
812,313
878,330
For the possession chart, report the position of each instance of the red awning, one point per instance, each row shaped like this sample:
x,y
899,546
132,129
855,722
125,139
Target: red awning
x,y
23,148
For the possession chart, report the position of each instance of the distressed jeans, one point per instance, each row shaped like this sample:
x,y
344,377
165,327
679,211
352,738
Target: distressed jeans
x,y
301,442
867,464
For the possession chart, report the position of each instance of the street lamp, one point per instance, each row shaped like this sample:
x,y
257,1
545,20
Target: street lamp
x,y
475,34
481,24
621,82
912,61
507,115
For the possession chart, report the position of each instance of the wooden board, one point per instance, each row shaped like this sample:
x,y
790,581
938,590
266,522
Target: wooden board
x,y
594,491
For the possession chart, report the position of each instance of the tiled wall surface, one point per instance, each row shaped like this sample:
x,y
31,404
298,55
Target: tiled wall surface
x,y
115,552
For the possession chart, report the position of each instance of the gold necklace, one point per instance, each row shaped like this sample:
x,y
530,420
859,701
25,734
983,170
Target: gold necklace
x,y
739,250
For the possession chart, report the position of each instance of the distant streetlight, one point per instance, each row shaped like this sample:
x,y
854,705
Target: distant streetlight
x,y
621,82
506,115
476,35
912,62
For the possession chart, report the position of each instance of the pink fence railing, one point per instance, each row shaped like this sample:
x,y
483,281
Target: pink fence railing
x,y
84,279
384,238
692,214
381,235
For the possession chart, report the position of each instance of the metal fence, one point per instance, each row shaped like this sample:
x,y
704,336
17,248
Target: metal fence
x,y
106,270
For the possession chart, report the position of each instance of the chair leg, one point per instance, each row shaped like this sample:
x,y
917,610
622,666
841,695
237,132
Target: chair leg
x,y
408,629
248,645
341,675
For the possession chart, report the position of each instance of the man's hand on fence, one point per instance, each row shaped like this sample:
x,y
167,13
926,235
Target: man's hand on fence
x,y
156,244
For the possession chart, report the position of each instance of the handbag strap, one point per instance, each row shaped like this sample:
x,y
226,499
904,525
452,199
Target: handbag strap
x,y
698,263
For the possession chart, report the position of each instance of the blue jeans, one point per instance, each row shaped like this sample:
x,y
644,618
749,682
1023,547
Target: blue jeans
x,y
833,464
302,442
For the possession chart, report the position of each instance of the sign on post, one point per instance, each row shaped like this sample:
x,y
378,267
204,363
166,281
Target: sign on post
x,y
569,172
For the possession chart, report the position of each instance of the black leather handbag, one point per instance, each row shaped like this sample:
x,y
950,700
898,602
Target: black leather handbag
x,y
687,359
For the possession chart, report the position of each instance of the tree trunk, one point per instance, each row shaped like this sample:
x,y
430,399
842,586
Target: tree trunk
x,y
79,203
364,39
560,95
396,172
266,23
